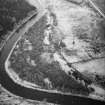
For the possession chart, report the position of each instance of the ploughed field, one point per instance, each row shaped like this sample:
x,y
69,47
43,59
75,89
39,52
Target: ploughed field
x,y
67,56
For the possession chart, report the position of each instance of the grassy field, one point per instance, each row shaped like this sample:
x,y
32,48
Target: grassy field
x,y
27,63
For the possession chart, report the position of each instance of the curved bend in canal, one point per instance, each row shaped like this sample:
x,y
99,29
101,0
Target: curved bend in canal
x,y
57,55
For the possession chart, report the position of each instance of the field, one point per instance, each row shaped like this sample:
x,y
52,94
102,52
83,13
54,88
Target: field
x,y
27,62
